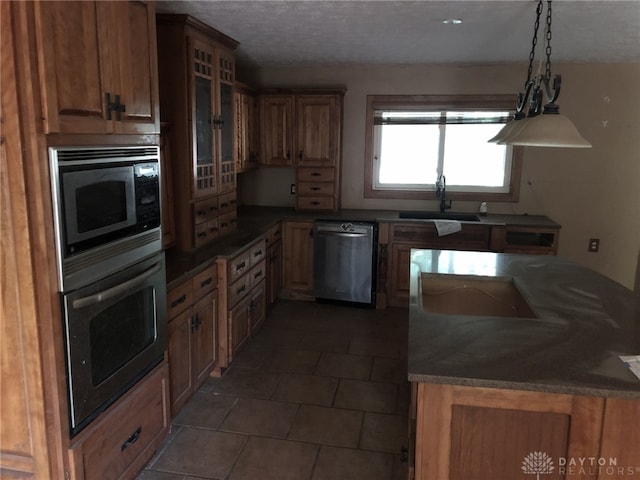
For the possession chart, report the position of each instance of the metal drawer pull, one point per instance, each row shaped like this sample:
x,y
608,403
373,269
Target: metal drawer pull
x,y
117,290
315,189
241,289
206,282
258,253
132,439
316,174
240,266
180,300
258,274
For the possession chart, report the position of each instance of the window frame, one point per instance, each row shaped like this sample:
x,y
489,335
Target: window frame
x,y
437,102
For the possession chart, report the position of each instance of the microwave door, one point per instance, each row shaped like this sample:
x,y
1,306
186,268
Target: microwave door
x,y
97,202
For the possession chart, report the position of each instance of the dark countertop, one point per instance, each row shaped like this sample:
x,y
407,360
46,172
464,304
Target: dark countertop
x,y
584,321
254,221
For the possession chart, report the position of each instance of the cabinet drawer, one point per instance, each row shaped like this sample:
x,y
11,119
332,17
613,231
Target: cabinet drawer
x,y
315,203
204,282
205,232
257,274
257,252
238,289
128,430
310,174
227,202
205,210
317,188
227,222
239,265
179,299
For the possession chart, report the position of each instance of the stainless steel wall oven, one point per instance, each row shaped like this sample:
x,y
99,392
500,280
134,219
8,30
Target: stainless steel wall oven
x,y
111,271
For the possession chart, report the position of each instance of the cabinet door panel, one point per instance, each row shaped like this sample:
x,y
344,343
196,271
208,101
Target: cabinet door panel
x,y
200,59
316,135
76,66
276,114
134,34
257,307
180,353
298,256
238,327
204,341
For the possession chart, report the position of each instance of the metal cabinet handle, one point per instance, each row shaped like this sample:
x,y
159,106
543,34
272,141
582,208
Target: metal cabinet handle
x,y
178,301
117,290
132,439
240,266
206,282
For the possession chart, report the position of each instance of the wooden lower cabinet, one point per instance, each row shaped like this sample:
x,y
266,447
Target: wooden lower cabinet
x,y
193,344
244,276
487,433
297,250
120,443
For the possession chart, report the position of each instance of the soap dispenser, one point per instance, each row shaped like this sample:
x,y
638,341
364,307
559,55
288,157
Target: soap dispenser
x,y
483,209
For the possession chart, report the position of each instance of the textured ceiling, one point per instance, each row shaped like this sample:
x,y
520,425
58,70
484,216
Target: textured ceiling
x,y
316,32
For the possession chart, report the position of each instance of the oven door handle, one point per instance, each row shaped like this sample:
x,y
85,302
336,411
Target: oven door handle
x,y
117,290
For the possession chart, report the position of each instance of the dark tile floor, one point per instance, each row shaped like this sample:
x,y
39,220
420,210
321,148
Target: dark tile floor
x,y
320,393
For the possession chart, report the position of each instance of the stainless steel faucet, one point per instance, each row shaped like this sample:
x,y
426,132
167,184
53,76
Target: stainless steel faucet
x,y
441,185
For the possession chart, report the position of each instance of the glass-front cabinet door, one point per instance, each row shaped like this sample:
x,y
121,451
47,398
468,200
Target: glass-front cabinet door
x,y
225,123
204,121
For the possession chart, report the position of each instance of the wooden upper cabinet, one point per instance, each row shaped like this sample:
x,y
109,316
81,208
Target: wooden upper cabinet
x,y
136,66
276,127
318,119
99,69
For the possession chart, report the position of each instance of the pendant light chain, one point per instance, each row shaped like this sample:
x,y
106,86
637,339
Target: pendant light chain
x,y
548,49
534,40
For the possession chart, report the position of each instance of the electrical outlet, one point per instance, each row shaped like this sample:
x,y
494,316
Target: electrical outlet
x,y
292,189
594,244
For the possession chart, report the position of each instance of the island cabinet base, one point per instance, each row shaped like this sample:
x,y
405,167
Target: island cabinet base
x,y
486,433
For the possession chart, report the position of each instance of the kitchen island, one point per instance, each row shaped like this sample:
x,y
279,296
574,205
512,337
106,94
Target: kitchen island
x,y
515,369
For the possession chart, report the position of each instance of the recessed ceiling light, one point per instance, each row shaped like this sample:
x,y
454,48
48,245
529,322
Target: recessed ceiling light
x,y
452,21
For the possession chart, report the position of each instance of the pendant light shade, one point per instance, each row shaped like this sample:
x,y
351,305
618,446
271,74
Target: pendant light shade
x,y
504,132
550,130
513,131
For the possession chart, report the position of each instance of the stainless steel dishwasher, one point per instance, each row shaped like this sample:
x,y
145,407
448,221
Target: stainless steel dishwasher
x,y
344,261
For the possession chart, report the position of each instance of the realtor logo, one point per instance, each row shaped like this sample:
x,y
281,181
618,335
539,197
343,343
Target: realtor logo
x,y
537,463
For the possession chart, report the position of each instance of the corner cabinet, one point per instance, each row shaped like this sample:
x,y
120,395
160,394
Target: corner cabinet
x,y
101,75
196,74
303,128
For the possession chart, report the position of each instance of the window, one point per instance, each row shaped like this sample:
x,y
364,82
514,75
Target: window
x,y
412,140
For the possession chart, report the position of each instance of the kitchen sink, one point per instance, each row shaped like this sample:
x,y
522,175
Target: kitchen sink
x,y
472,295
463,217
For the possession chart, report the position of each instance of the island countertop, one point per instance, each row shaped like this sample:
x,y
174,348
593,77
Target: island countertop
x,y
584,321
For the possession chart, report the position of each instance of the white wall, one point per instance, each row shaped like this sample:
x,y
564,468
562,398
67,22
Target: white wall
x,y
590,192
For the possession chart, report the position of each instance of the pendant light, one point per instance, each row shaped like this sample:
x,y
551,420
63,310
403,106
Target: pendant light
x,y
540,126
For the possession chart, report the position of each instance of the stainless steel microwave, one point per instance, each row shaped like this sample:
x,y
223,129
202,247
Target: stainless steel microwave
x,y
106,209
